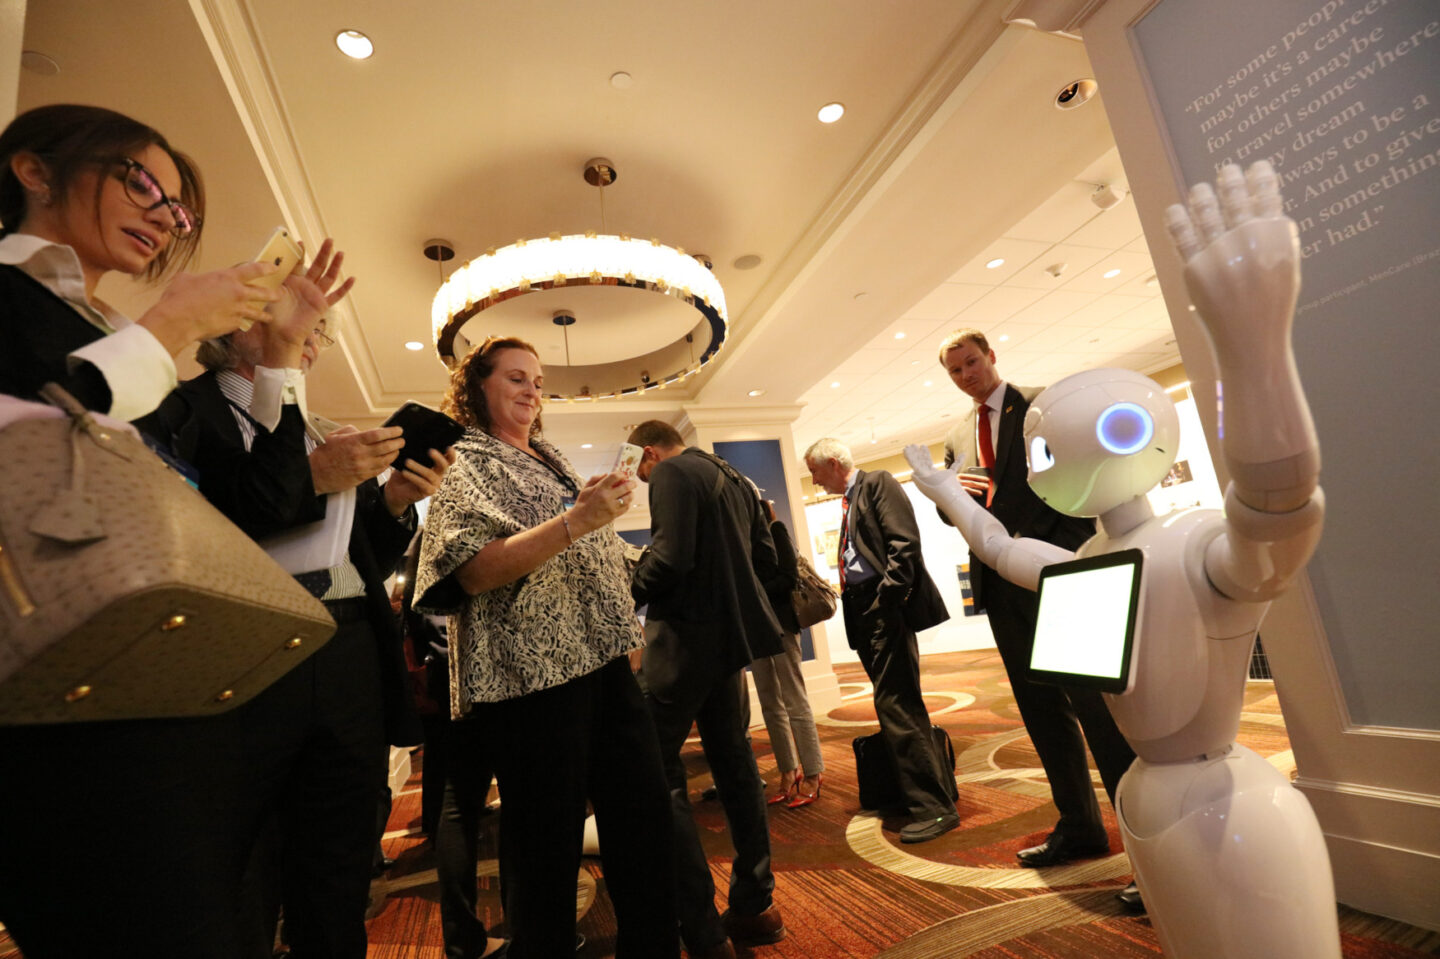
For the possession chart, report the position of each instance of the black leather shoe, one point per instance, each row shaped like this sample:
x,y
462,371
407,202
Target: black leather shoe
x,y
1130,898
1058,849
757,930
927,829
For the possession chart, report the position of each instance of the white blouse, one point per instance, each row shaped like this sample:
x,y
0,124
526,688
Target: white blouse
x,y
568,617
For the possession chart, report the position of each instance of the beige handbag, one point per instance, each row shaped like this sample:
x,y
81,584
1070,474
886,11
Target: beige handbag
x,y
123,593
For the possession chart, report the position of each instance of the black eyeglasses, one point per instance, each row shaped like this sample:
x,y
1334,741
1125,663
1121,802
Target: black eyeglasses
x,y
324,339
145,192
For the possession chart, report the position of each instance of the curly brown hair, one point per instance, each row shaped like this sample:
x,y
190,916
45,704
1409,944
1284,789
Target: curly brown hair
x,y
464,400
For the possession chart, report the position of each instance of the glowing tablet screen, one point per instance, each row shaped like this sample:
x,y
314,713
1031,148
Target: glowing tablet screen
x,y
1086,625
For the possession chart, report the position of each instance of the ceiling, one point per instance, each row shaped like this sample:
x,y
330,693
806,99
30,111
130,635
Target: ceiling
x,y
473,121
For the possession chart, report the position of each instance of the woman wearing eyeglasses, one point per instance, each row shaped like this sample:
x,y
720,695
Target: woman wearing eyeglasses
x,y
521,552
85,191
116,838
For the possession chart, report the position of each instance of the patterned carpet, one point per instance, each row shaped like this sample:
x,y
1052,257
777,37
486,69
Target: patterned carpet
x,y
847,888
845,885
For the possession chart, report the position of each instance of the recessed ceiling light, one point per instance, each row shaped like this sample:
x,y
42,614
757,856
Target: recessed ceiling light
x,y
354,44
831,112
586,446
1076,93
1111,274
1003,337
1153,280
756,393
747,262
899,336
414,346
621,80
835,385
997,262
929,382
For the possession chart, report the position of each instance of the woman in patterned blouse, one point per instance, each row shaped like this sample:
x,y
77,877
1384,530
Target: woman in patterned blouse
x,y
522,555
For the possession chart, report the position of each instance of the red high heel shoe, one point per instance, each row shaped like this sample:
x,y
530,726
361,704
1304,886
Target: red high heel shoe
x,y
804,798
787,791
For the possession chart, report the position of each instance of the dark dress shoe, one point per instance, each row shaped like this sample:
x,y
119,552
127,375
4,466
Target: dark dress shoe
x,y
1059,848
927,829
1130,898
757,930
721,950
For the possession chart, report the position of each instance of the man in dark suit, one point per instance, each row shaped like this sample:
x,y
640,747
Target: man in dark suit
x,y
888,597
1053,716
708,617
316,740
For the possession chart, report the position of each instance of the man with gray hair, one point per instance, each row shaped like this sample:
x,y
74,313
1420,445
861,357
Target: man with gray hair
x,y
888,596
314,741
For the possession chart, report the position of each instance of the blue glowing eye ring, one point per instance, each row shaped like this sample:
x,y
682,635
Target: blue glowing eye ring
x,y
1040,458
1125,428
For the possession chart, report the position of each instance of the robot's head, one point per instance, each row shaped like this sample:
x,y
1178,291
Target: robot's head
x,y
1098,439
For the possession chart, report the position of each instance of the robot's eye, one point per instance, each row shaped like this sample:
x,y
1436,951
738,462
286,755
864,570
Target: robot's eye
x,y
1040,458
1125,428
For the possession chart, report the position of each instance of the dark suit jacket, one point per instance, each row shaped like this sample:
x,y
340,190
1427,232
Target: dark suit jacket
x,y
702,576
268,489
884,532
1015,504
39,330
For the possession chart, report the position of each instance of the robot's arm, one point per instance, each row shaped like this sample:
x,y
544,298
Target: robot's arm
x,y
1018,560
1242,268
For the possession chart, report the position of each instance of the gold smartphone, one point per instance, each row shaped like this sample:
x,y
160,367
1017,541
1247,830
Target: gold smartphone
x,y
284,253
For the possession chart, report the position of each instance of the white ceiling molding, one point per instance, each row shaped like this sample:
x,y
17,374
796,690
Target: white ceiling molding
x,y
239,54
980,40
1061,17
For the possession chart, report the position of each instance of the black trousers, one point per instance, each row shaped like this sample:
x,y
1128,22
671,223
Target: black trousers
x,y
891,657
716,713
465,772
122,839
1055,716
588,738
314,746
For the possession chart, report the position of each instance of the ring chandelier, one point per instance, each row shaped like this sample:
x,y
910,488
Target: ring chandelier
x,y
590,260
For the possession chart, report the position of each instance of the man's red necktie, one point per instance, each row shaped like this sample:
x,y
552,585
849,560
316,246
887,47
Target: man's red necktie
x,y
987,451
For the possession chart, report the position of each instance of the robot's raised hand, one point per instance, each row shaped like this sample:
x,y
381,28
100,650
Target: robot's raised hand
x,y
1242,258
927,476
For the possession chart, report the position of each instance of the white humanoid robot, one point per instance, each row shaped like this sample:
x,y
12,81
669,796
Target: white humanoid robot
x,y
1228,855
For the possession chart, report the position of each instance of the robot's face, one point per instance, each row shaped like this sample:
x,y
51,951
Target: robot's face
x,y
1098,439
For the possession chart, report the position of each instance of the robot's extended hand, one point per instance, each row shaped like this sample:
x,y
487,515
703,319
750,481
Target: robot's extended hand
x,y
1018,560
927,475
1242,263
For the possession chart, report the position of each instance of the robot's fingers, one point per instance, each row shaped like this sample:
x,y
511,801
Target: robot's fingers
x,y
1264,189
1205,211
1182,231
1234,195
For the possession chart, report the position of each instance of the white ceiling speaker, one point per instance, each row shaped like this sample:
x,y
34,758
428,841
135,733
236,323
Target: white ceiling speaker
x,y
1107,195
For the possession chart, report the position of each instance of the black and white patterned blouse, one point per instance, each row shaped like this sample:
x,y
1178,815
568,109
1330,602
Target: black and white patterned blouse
x,y
568,617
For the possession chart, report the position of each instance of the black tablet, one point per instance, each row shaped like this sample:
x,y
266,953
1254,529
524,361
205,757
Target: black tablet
x,y
425,430
1089,612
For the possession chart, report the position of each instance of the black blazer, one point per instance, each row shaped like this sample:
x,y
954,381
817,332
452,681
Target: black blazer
x,y
39,330
781,589
703,575
884,532
268,489
1015,504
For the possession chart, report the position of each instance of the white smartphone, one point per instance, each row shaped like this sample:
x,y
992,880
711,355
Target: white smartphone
x,y
629,460
282,251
